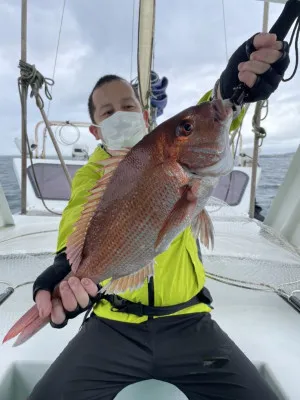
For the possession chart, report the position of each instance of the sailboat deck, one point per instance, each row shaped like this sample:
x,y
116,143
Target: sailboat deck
x,y
264,326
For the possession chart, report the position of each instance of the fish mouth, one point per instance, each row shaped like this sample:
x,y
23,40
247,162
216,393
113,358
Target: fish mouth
x,y
222,161
222,166
223,114
209,151
222,110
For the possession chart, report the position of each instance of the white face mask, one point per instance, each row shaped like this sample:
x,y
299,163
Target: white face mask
x,y
123,129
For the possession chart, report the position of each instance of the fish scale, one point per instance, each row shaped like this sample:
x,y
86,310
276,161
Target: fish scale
x,y
147,196
144,229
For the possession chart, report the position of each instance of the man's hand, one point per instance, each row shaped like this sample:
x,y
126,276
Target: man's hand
x,y
76,295
267,52
73,293
260,63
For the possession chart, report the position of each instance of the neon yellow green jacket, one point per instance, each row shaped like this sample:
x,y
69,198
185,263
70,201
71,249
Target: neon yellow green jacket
x,y
179,274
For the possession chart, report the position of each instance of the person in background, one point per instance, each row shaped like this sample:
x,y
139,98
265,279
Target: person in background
x,y
172,337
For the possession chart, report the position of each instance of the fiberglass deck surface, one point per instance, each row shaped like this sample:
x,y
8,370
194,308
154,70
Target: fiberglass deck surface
x,y
262,324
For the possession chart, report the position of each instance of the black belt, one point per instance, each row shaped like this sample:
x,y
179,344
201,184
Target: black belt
x,y
126,306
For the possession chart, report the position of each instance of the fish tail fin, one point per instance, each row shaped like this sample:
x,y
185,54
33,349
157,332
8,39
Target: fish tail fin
x,y
29,324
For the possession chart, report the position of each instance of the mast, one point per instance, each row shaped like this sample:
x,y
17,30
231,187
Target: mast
x,y
24,110
266,16
145,50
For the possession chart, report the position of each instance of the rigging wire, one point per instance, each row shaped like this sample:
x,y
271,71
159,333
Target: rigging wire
x,y
225,30
56,53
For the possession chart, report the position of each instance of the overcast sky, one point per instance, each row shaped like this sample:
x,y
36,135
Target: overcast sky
x,y
96,40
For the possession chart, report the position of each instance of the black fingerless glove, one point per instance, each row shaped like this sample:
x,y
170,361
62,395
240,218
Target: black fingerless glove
x,y
49,278
54,274
265,84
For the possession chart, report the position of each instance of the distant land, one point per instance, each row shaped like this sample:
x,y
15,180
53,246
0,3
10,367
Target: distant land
x,y
277,155
53,157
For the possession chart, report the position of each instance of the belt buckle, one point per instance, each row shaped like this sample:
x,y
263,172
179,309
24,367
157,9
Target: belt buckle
x,y
118,304
123,305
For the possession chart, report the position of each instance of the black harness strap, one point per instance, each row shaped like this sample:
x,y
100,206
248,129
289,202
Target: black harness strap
x,y
126,306
151,294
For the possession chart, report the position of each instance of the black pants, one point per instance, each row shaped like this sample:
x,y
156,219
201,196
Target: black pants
x,y
191,352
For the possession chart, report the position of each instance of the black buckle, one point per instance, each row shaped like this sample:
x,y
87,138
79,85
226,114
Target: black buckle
x,y
123,305
117,302
204,296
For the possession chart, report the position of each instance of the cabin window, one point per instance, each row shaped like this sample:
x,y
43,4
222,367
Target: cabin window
x,y
53,183
51,180
231,187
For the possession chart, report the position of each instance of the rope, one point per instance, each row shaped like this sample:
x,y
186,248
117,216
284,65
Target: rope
x,y
263,287
30,76
27,234
259,134
9,284
266,106
23,82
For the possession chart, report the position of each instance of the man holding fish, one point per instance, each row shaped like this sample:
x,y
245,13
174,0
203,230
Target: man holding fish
x,y
138,209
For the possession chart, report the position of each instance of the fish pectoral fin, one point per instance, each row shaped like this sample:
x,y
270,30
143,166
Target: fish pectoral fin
x,y
181,210
76,240
203,226
129,282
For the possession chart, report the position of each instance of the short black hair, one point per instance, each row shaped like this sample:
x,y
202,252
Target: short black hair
x,y
105,79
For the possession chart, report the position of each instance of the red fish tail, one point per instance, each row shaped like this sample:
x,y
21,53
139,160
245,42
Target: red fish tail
x,y
27,325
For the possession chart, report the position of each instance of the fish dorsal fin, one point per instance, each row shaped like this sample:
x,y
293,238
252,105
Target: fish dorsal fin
x,y
76,240
119,153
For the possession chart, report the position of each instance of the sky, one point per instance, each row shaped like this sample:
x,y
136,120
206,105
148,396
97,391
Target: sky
x,y
96,39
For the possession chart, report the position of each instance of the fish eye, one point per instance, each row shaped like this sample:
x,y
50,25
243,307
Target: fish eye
x,y
184,129
187,127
